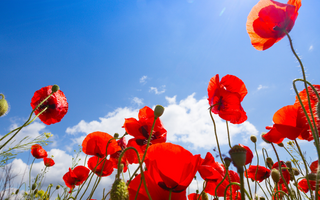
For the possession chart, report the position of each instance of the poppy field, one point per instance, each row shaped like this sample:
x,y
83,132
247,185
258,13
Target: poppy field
x,y
164,170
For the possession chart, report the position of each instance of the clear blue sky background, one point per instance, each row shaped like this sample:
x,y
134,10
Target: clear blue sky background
x,y
97,51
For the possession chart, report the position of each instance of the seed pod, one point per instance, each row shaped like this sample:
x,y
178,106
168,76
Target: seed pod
x,y
119,190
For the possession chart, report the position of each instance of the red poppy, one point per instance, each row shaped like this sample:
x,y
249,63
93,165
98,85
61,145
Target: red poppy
x,y
48,162
288,123
213,172
114,158
57,105
140,129
285,172
262,173
314,166
303,185
225,98
268,21
96,143
105,167
76,177
156,192
249,154
235,196
171,166
313,100
281,187
38,152
194,196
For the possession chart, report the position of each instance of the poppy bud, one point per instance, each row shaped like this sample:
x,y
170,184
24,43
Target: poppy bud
x,y
119,190
204,196
269,162
238,155
295,171
17,191
227,161
197,191
253,138
55,88
35,192
34,186
116,135
288,164
262,198
280,144
4,107
264,138
158,111
275,174
57,187
312,176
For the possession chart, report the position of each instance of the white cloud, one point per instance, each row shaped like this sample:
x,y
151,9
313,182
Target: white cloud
x,y
311,48
260,87
143,79
137,100
156,91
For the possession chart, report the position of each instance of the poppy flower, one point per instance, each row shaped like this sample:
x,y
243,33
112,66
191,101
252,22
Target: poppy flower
x,y
235,196
281,187
194,196
262,173
314,166
140,129
76,177
156,192
96,143
38,152
285,172
303,185
313,100
288,123
114,158
225,97
249,154
269,20
105,167
57,105
213,172
48,162
171,166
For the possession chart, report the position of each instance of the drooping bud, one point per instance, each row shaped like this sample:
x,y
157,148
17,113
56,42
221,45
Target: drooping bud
x,y
275,175
269,162
4,107
280,144
116,135
227,161
119,190
34,186
158,111
57,187
55,88
253,138
288,164
238,155
35,192
264,138
17,191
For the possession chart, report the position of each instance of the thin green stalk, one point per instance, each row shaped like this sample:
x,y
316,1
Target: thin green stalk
x,y
170,192
235,183
245,168
30,186
138,189
240,172
215,133
229,141
255,175
263,191
294,162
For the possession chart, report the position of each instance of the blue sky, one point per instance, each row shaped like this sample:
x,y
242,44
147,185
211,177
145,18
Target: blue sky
x,y
111,58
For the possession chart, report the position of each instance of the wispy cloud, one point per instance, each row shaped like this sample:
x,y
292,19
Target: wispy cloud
x,y
137,100
158,91
260,87
311,48
143,79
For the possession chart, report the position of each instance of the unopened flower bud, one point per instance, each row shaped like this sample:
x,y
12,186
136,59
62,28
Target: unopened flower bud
x,y
264,138
280,144
197,191
55,88
312,176
227,161
204,196
275,175
158,111
17,191
4,107
262,198
238,155
269,162
119,190
57,187
295,171
35,192
253,138
288,164
116,135
34,186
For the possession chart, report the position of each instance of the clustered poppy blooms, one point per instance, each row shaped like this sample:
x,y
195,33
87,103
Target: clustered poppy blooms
x,y
225,98
57,105
269,21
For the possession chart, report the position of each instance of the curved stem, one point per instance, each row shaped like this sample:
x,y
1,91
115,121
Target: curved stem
x,y
263,191
234,183
229,141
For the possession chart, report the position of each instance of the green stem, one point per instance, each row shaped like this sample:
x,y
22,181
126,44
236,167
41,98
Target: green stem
x,y
240,172
30,186
235,183
229,141
170,192
263,191
255,175
298,166
245,168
